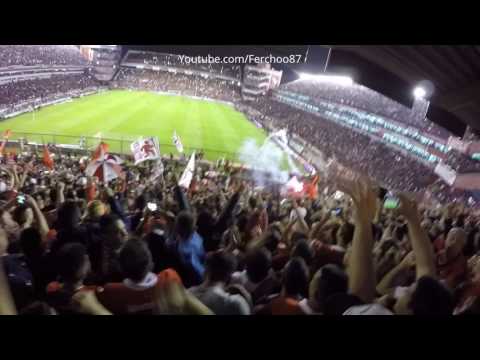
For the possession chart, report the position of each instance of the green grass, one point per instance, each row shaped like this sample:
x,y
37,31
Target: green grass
x,y
218,129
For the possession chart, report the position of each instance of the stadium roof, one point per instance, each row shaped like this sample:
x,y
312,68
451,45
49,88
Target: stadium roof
x,y
454,71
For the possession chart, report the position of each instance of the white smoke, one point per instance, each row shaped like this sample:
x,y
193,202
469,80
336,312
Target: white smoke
x,y
263,159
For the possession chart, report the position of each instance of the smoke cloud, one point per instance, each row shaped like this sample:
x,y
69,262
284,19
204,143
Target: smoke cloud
x,y
264,159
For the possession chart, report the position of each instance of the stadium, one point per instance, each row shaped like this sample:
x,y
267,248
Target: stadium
x,y
237,185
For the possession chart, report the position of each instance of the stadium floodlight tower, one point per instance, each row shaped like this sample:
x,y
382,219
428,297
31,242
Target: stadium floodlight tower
x,y
421,94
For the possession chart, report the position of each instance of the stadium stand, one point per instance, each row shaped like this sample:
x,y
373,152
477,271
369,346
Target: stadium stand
x,y
21,91
189,85
175,62
363,98
30,55
146,243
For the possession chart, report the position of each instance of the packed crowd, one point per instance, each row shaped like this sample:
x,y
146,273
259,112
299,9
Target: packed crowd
x,y
462,163
71,244
29,55
363,98
21,91
352,149
175,61
190,85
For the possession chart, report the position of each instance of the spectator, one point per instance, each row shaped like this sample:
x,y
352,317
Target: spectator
x,y
212,292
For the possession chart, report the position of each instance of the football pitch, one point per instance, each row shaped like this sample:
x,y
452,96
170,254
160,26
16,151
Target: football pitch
x,y
121,116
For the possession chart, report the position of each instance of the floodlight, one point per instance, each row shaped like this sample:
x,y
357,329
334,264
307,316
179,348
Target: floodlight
x,y
419,92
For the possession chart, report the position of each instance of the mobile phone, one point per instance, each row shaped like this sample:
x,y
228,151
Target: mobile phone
x,y
152,206
337,211
382,192
21,199
391,203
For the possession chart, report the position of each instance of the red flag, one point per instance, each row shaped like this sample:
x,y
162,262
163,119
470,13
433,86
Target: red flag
x,y
47,159
311,187
6,135
98,152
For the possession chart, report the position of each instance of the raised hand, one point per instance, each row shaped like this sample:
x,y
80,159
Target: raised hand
x,y
408,207
363,195
86,302
171,299
408,261
29,200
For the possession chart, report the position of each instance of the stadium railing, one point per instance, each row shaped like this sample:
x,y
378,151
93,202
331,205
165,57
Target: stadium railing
x,y
116,145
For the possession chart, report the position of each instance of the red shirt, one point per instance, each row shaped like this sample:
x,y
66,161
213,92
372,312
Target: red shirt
x,y
454,271
469,294
285,306
327,254
56,286
60,299
130,298
439,244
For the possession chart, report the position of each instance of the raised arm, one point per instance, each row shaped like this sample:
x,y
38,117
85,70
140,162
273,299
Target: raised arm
x,y
300,219
60,194
226,214
11,176
39,217
7,306
174,299
361,270
16,182
116,207
421,245
386,285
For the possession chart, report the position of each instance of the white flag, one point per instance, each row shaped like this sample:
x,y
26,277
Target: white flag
x,y
446,173
187,175
177,142
157,170
294,186
145,149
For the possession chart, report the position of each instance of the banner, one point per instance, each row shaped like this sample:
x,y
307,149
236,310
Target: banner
x,y
187,175
177,142
446,173
47,159
145,149
294,187
157,170
469,181
458,144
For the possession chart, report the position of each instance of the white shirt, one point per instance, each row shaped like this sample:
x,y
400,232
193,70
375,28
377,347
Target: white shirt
x,y
241,278
219,301
369,309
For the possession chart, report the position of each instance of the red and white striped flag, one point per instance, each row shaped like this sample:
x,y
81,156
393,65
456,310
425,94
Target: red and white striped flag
x,y
104,166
